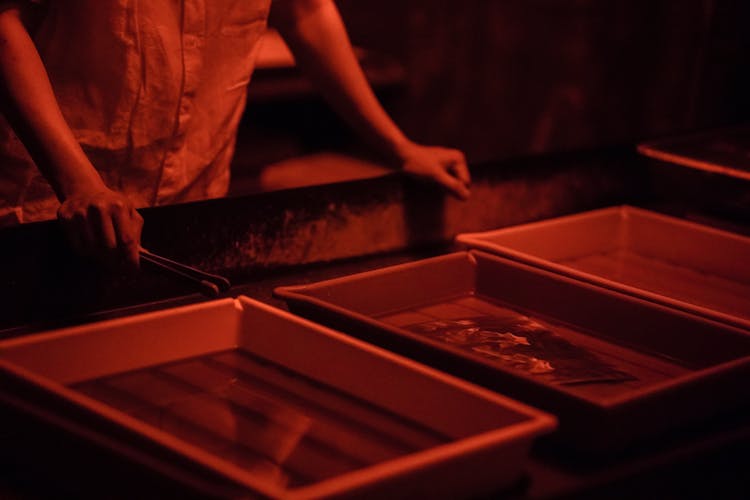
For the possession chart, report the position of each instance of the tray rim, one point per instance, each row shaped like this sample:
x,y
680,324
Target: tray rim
x,y
297,293
536,422
655,149
475,240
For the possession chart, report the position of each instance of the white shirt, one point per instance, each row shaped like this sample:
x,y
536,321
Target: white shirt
x,y
152,89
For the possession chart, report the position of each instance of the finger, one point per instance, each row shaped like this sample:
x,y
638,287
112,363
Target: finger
x,y
461,170
456,187
81,228
102,228
128,224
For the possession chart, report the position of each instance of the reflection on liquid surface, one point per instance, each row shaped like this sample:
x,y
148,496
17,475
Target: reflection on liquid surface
x,y
263,417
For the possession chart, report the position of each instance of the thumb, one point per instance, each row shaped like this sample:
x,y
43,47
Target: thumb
x,y
455,186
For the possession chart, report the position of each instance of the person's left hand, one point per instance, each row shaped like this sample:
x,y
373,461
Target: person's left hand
x,y
444,166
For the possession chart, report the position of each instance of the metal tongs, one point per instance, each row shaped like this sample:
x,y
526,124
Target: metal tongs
x,y
208,284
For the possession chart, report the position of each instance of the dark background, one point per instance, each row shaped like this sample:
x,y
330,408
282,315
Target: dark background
x,y
508,78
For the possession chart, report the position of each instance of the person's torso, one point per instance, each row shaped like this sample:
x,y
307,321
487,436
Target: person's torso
x,y
152,89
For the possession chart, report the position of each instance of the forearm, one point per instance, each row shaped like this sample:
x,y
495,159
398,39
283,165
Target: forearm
x,y
317,37
30,106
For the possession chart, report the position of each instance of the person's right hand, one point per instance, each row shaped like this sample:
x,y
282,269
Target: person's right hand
x,y
99,222
102,224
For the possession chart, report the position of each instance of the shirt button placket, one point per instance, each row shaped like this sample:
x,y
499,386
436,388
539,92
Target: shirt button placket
x,y
193,35
192,60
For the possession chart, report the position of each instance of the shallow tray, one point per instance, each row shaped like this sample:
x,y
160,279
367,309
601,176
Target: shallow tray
x,y
271,403
621,368
725,152
663,259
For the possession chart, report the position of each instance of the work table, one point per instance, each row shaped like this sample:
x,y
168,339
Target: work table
x,y
310,234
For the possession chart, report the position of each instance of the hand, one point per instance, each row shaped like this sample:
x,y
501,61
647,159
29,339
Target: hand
x,y
443,166
104,224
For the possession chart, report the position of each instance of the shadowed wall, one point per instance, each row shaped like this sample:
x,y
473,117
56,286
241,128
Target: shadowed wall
x,y
502,78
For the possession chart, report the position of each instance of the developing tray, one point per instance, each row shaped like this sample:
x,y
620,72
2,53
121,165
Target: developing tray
x,y
724,152
677,263
273,404
612,367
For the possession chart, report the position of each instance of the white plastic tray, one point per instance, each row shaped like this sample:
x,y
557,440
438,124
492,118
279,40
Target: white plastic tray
x,y
723,151
180,386
621,369
663,259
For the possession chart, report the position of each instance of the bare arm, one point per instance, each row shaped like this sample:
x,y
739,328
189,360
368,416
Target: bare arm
x,y
317,37
98,220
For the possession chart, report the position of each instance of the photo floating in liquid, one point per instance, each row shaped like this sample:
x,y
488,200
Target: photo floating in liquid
x,y
521,343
